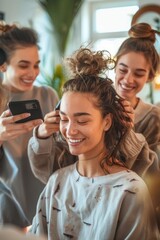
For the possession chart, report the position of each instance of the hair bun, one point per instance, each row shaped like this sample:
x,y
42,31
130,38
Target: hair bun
x,y
87,62
143,31
5,27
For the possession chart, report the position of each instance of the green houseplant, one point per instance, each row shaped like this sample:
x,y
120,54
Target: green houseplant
x,y
61,14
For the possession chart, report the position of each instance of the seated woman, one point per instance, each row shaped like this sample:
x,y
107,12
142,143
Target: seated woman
x,y
97,197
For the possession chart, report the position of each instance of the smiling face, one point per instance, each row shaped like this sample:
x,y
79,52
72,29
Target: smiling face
x,y
22,69
132,72
82,124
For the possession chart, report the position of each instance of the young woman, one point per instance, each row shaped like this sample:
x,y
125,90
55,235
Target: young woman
x,y
141,158
137,62
20,67
97,197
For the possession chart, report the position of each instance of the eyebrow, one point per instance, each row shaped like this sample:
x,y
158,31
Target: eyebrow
x,y
25,61
77,114
138,69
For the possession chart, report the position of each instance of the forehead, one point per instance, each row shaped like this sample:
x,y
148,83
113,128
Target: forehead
x,y
73,102
134,59
26,53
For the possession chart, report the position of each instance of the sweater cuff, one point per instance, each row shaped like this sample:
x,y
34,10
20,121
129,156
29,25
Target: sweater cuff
x,y
41,146
133,144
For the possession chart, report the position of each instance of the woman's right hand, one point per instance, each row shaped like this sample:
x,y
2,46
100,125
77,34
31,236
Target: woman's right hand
x,y
50,125
130,112
9,129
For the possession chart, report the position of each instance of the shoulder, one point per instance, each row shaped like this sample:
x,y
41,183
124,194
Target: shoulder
x,y
133,183
146,111
61,176
45,90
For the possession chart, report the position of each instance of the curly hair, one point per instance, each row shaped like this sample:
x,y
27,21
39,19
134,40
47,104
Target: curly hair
x,y
86,67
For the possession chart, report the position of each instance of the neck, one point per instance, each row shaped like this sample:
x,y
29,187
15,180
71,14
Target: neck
x,y
90,167
134,102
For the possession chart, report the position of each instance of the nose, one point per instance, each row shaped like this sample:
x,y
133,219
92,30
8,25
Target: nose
x,y
71,129
129,77
33,73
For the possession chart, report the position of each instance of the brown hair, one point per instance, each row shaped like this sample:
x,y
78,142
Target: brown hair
x,y
141,40
13,37
87,68
3,98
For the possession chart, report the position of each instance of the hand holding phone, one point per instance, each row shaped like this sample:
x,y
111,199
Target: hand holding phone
x,y
27,106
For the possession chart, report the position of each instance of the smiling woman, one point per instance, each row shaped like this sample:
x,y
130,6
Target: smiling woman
x,y
97,196
137,63
20,68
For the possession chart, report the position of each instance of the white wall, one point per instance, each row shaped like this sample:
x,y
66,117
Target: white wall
x,y
23,11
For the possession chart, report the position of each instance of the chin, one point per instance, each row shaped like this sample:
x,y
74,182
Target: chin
x,y
74,152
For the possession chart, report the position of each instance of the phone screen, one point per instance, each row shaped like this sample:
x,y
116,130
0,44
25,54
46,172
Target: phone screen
x,y
27,106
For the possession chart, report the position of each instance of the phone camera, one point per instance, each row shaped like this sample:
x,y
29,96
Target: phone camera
x,y
30,106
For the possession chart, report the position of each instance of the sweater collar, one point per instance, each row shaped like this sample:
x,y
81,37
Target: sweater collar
x,y
141,110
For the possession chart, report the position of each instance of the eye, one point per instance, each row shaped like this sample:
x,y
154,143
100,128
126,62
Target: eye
x,y
82,122
63,119
138,75
123,70
36,66
23,66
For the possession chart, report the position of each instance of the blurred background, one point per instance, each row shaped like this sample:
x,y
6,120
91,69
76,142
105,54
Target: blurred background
x,y
65,25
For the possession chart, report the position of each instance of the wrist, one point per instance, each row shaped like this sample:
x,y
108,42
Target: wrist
x,y
37,134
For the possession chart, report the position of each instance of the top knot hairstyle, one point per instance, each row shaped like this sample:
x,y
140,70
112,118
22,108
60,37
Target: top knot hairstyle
x,y
86,67
141,40
13,37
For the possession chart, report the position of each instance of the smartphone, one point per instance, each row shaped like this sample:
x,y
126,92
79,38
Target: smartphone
x,y
57,107
27,106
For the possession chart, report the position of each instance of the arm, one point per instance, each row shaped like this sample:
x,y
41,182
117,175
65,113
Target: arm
x,y
137,219
46,156
42,153
139,157
149,126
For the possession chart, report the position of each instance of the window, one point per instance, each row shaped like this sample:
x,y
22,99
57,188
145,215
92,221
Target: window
x,y
109,23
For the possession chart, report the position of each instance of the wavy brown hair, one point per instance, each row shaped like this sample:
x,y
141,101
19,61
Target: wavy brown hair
x,y
13,37
87,68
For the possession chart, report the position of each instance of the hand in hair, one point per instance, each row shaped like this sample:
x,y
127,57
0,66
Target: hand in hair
x,y
130,113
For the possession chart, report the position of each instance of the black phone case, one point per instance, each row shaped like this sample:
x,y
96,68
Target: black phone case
x,y
27,106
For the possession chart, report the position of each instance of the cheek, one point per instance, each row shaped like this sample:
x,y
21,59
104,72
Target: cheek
x,y
37,71
141,82
62,128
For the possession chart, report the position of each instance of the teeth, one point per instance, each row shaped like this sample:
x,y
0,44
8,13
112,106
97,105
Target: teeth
x,y
75,140
126,87
27,81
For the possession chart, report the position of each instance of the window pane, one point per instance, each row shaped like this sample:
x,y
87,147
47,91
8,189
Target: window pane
x,y
115,19
110,44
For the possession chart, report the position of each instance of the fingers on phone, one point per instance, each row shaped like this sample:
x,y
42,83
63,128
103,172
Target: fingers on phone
x,y
6,113
28,126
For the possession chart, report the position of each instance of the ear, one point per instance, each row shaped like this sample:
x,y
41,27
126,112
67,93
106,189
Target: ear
x,y
108,122
3,67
